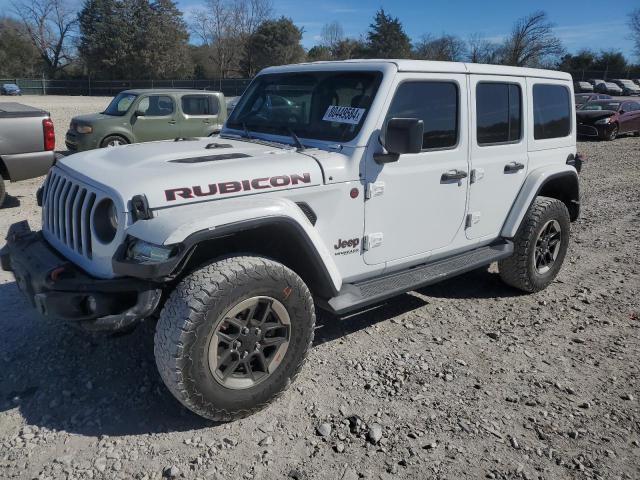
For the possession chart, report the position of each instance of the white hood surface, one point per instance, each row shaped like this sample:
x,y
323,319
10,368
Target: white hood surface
x,y
173,173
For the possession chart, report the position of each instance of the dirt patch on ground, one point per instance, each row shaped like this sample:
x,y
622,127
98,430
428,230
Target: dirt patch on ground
x,y
468,378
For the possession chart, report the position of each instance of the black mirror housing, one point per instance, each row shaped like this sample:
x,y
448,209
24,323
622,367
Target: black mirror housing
x,y
400,136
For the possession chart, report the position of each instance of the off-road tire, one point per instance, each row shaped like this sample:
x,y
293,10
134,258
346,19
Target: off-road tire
x,y
191,314
105,142
3,191
518,270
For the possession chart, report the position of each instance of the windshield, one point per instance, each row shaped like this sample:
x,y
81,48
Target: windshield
x,y
120,104
10,86
316,105
602,106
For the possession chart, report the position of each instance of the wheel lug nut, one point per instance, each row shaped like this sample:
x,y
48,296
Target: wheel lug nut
x,y
244,330
258,346
244,354
257,331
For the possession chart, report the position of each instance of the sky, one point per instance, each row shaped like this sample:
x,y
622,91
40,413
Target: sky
x,y
579,24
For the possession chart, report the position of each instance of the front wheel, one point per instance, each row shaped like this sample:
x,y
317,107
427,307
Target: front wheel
x,y
613,134
539,246
113,141
233,335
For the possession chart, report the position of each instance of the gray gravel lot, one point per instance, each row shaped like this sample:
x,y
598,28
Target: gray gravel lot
x,y
466,379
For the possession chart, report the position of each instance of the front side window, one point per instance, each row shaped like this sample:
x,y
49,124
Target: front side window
x,y
199,105
120,104
316,105
156,106
498,113
551,111
436,104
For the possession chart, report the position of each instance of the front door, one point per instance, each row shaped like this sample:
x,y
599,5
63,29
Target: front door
x,y
499,157
155,119
417,204
200,115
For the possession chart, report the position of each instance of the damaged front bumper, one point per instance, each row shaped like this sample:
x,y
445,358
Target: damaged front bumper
x,y
57,288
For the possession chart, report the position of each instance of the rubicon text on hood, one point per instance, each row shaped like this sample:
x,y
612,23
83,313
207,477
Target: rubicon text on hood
x,y
236,186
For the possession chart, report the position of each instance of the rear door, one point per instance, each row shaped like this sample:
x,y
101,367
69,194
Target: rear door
x,y
158,119
629,117
200,115
499,158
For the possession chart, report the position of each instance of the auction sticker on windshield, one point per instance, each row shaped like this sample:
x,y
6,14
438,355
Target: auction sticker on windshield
x,y
336,113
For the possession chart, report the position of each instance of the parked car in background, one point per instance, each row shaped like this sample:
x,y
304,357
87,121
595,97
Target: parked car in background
x,y
607,119
627,86
583,98
582,87
231,104
609,88
145,115
27,143
10,89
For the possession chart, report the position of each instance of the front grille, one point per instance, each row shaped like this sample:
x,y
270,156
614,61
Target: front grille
x,y
66,212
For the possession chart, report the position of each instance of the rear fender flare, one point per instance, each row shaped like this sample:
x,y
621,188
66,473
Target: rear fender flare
x,y
534,185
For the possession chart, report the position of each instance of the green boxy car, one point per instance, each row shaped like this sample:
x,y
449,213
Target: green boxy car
x,y
145,115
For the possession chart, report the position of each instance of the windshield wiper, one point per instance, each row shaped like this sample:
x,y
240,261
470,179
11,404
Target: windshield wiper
x,y
296,140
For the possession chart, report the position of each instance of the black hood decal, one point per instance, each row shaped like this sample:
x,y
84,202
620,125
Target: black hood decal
x,y
211,158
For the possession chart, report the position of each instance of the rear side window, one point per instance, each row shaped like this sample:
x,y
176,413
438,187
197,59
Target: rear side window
x,y
156,106
499,113
199,105
436,104
551,111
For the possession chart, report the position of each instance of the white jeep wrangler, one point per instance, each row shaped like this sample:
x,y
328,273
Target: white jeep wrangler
x,y
333,185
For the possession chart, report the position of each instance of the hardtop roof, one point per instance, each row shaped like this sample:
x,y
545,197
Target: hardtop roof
x,y
428,66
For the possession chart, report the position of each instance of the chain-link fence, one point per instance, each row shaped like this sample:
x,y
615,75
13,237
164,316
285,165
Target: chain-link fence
x,y
231,87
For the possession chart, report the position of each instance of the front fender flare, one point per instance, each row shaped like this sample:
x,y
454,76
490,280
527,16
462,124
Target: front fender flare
x,y
192,224
533,185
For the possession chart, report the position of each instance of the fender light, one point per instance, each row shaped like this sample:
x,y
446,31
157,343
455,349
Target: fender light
x,y
145,252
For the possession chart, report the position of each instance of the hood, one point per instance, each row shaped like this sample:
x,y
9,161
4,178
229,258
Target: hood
x,y
590,116
91,118
173,173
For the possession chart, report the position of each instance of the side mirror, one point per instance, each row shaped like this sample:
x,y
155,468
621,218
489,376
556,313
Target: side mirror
x,y
400,136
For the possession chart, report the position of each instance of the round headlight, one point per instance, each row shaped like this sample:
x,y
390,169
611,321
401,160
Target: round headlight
x,y
105,221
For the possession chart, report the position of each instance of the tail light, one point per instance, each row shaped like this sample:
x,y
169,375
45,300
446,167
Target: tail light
x,y
49,134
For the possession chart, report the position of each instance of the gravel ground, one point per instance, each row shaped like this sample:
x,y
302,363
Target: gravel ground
x,y
466,379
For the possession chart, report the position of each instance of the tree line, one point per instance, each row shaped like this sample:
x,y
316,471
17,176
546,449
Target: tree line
x,y
152,39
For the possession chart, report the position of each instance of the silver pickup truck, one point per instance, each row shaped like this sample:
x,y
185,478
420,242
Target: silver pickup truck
x,y
27,143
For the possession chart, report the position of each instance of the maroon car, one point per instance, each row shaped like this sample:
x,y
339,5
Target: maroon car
x,y
607,119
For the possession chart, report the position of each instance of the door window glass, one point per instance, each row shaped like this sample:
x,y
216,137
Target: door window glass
x,y
436,104
156,106
551,111
199,105
498,113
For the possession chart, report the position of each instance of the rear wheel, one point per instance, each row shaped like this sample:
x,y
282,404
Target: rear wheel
x,y
113,141
539,246
233,335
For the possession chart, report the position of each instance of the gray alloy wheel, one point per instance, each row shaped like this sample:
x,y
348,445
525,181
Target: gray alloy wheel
x,y
249,343
113,141
614,133
547,246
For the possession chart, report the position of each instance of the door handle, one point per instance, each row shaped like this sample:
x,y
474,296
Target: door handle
x,y
172,122
513,167
453,175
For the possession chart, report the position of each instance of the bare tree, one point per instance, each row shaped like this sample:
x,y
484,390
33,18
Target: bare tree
x,y
634,25
531,42
447,48
224,26
50,25
332,34
481,50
